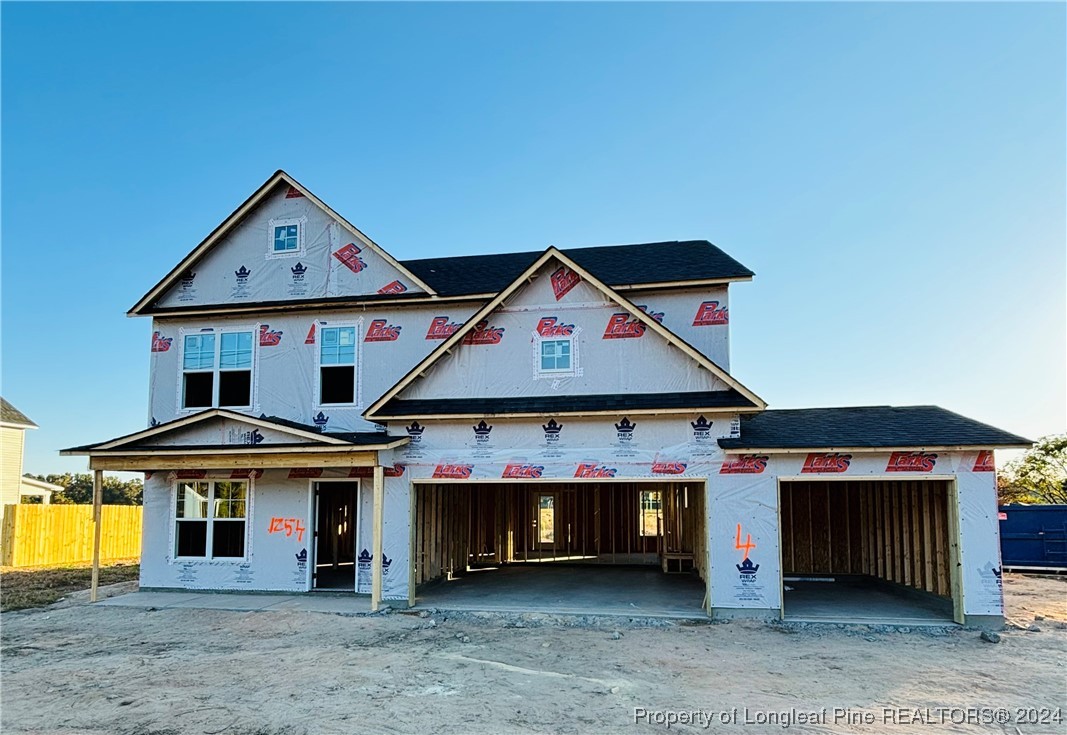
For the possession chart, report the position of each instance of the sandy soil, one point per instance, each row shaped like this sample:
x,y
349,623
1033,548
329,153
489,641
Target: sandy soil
x,y
105,669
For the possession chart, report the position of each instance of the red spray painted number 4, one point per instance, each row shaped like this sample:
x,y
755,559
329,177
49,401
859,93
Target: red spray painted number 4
x,y
288,526
747,546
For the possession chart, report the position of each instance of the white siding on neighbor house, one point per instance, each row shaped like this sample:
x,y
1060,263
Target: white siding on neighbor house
x,y
11,449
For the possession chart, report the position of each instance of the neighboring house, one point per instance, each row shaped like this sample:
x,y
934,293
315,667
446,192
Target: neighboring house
x,y
427,416
13,486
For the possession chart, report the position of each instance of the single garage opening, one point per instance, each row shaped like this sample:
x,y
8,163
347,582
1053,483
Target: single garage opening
x,y
608,548
870,551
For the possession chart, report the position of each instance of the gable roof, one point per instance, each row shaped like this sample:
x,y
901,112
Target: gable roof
x,y
864,427
615,265
608,403
309,434
11,416
206,245
552,253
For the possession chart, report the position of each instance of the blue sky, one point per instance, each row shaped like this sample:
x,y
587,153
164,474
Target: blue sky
x,y
895,175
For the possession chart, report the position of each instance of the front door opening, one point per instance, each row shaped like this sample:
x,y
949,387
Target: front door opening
x,y
335,535
627,547
868,551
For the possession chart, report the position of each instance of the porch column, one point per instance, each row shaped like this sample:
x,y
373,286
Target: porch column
x,y
377,545
98,501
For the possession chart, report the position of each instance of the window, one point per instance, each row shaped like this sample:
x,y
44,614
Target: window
x,y
209,519
217,370
555,355
651,516
337,365
285,237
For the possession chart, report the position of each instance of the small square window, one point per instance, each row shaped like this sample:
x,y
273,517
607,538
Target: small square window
x,y
555,355
286,238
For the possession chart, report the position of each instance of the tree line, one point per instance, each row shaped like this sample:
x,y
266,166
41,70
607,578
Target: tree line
x,y
79,489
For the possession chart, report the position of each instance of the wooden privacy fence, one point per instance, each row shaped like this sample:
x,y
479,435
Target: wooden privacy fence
x,y
38,535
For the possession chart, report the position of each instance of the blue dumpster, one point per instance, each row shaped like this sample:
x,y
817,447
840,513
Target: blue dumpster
x,y
1033,536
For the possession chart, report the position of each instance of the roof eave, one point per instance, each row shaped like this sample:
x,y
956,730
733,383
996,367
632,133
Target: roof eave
x,y
756,449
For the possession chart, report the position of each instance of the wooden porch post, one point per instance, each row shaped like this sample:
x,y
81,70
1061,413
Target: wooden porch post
x,y
376,560
98,501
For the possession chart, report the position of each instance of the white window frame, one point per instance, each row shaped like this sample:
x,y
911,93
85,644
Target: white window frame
x,y
216,369
572,371
301,242
210,536
357,372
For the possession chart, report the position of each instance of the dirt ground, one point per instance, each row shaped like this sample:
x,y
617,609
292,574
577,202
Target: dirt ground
x,y
22,587
94,669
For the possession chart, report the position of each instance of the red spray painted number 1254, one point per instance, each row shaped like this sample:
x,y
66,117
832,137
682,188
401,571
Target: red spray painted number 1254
x,y
288,526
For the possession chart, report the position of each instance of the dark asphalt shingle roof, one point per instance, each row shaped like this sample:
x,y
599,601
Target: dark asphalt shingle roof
x,y
551,405
615,265
364,438
11,415
866,426
353,437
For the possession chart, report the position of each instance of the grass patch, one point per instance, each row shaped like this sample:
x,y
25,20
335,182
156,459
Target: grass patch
x,y
23,587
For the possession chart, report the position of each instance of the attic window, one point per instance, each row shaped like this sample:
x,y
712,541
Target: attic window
x,y
286,237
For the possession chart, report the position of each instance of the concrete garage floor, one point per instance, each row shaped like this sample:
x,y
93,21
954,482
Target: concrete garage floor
x,y
862,602
570,590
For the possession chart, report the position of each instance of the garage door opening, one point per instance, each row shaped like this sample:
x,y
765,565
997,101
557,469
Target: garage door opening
x,y
872,551
612,548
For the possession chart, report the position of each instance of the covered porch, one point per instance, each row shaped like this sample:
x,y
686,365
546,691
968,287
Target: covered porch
x,y
217,449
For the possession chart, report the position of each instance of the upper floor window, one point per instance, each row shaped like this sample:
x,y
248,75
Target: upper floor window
x,y
337,365
555,355
217,370
286,237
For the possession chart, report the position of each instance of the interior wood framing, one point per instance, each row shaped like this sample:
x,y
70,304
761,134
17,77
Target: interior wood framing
x,y
458,526
894,531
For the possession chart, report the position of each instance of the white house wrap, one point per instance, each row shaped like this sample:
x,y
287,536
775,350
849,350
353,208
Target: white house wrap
x,y
313,399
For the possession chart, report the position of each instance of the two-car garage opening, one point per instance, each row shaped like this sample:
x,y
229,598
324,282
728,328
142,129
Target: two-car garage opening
x,y
869,551
606,547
